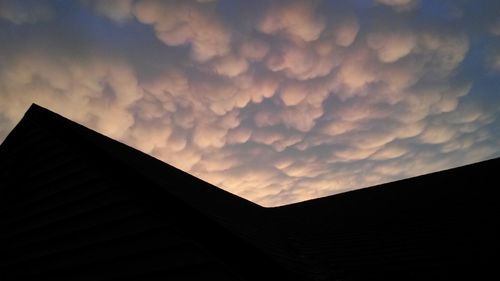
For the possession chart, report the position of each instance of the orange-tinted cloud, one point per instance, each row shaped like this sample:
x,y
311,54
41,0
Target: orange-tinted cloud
x,y
295,19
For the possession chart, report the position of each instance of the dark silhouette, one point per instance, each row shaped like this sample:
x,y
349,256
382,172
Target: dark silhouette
x,y
76,205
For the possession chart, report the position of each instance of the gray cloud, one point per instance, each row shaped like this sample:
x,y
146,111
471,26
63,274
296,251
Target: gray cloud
x,y
25,12
117,10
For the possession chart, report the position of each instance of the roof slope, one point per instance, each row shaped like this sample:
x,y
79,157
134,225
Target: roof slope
x,y
45,148
438,226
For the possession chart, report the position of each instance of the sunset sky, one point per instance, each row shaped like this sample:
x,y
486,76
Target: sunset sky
x,y
275,101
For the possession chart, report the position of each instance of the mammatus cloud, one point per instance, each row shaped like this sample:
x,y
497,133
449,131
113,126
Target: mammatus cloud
x,y
96,92
278,102
296,20
179,23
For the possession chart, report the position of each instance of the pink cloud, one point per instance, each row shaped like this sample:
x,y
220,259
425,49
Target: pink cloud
x,y
391,46
180,23
295,19
296,102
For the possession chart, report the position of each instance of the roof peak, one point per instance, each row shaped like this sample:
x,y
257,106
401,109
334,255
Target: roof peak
x,y
157,171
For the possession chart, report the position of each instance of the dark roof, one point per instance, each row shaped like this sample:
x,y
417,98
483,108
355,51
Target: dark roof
x,y
439,225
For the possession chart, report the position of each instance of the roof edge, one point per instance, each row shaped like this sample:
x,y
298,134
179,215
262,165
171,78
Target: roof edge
x,y
119,151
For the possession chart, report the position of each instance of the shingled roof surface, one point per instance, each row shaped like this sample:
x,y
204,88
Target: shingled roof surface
x,y
76,205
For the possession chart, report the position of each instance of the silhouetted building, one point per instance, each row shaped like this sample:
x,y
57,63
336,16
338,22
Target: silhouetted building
x,y
76,205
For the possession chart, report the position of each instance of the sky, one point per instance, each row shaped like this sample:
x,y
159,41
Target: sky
x,y
275,101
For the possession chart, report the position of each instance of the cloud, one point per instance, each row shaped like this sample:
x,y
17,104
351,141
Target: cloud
x,y
399,5
266,137
495,28
184,159
239,135
302,117
149,136
345,32
278,102
254,50
266,118
117,10
307,169
338,127
230,65
395,2
206,136
180,23
96,93
437,134
302,62
293,94
218,163
257,87
447,50
354,154
493,61
391,46
25,12
295,19
390,152
355,73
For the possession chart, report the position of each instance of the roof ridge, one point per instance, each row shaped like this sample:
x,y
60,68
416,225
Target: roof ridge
x,y
149,166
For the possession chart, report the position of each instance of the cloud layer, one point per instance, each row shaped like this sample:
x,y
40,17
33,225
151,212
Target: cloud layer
x,y
278,101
